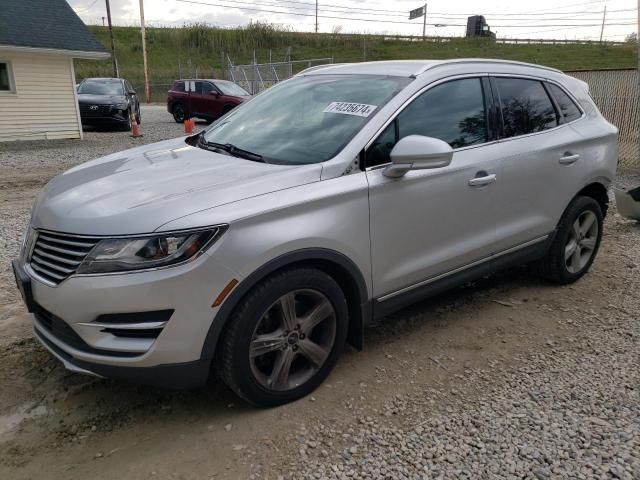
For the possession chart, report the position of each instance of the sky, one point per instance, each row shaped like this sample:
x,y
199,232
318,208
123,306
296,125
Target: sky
x,y
559,19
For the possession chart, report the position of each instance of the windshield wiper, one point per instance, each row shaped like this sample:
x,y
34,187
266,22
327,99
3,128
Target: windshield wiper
x,y
231,150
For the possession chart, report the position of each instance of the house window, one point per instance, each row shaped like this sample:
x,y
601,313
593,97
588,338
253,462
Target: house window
x,y
6,77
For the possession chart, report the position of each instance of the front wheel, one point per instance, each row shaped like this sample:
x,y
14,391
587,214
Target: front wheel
x,y
576,242
126,126
284,338
178,113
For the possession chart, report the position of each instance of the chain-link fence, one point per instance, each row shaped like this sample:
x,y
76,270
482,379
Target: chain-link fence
x,y
258,77
617,94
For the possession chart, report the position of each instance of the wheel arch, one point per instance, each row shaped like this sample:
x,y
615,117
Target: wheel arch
x,y
598,192
341,268
227,107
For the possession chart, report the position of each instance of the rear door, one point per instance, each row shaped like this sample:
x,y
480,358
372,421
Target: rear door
x,y
540,159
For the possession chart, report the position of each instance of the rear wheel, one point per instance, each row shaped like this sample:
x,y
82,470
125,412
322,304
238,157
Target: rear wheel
x,y
284,338
178,113
576,243
138,117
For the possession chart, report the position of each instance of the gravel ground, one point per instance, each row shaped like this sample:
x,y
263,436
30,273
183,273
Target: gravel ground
x,y
26,166
569,409
505,378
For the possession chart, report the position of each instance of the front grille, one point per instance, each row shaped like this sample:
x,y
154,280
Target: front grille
x,y
87,110
56,256
67,335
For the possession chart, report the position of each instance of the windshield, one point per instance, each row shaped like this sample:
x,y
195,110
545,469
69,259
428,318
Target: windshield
x,y
101,87
231,89
306,119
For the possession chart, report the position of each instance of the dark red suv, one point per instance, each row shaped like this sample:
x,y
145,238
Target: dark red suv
x,y
203,98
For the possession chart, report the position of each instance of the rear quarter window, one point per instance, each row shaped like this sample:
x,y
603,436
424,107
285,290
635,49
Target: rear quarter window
x,y
568,109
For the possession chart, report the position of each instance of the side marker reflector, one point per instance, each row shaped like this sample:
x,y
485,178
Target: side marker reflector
x,y
225,291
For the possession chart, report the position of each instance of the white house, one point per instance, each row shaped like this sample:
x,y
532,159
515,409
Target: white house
x,y
38,41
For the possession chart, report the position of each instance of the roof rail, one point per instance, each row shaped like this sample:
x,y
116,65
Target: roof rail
x,y
483,60
318,67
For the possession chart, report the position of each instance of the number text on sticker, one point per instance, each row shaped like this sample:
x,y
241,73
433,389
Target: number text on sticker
x,y
347,108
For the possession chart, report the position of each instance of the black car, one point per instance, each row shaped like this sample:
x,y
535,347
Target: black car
x,y
108,101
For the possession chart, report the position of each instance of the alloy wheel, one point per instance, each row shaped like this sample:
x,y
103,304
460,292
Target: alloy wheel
x,y
582,241
292,340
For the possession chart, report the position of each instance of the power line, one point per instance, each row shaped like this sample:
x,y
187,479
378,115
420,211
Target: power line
x,y
312,9
262,10
80,10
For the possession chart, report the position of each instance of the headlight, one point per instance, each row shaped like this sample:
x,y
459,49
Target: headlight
x,y
121,106
139,253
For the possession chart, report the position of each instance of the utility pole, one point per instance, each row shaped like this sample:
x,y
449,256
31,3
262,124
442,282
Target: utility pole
x,y
113,48
424,25
604,18
316,16
147,93
103,21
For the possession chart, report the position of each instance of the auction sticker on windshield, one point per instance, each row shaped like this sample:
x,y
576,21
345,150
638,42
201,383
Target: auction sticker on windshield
x,y
347,108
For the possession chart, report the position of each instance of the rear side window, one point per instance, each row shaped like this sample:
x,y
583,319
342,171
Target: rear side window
x,y
178,87
526,107
568,109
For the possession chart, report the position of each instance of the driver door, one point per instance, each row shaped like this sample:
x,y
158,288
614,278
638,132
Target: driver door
x,y
429,224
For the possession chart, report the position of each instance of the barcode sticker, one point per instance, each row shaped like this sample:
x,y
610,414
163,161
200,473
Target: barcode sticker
x,y
347,108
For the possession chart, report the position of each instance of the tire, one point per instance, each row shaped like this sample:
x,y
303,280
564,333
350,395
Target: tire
x,y
178,112
573,251
126,127
138,117
257,340
227,108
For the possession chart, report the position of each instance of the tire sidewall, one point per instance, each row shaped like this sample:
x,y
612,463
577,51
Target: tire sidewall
x,y
178,107
245,380
577,208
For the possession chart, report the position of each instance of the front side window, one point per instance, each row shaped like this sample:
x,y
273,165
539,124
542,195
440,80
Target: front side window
x,y
307,119
178,87
568,109
5,77
526,107
453,112
101,87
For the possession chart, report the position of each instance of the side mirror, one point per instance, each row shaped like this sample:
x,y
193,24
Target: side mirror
x,y
417,152
131,92
214,93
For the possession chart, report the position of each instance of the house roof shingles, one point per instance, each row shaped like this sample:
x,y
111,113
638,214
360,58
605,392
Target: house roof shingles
x,y
45,24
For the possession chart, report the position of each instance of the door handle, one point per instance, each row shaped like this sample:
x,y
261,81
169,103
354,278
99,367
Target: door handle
x,y
481,181
569,158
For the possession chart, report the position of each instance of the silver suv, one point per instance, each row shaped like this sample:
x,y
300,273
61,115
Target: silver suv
x,y
261,246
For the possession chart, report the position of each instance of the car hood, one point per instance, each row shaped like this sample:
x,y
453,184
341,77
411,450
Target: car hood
x,y
139,190
101,99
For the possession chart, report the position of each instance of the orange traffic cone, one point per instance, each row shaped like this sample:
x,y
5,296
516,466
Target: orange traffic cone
x,y
189,125
135,128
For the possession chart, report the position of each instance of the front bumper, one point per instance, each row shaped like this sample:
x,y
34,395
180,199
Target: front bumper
x,y
68,320
103,115
186,375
